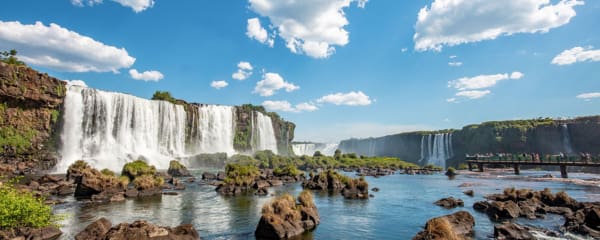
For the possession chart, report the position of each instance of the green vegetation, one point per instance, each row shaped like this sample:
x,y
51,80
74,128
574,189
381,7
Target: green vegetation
x,y
241,175
433,167
174,164
148,182
107,172
164,96
137,168
23,209
242,139
463,166
2,112
10,57
60,90
288,170
15,140
54,115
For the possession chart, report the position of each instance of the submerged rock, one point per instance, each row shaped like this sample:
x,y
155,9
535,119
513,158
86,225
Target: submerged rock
x,y
455,226
450,202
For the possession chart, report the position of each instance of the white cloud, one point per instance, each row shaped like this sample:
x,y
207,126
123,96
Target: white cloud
x,y
60,49
349,99
136,5
285,106
452,56
576,54
362,3
244,71
146,75
80,83
272,82
589,96
219,84
256,31
474,94
454,22
516,75
455,64
451,100
311,27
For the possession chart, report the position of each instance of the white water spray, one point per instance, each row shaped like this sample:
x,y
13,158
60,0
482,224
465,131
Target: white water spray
x,y
436,149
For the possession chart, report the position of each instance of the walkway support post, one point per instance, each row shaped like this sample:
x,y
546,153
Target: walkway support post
x,y
470,167
480,167
517,170
563,171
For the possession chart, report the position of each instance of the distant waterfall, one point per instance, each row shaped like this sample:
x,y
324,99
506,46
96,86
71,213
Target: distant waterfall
x,y
566,141
108,129
265,133
309,149
436,148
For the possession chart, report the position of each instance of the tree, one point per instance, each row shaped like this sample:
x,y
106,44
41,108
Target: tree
x,y
338,154
10,57
318,154
164,96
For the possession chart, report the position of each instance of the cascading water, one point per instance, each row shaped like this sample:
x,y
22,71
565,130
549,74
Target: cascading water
x,y
436,149
566,141
265,133
108,129
309,149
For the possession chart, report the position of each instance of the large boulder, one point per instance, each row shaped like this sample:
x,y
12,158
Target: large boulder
x,y
503,210
512,231
450,202
142,230
455,226
177,169
45,233
90,182
284,218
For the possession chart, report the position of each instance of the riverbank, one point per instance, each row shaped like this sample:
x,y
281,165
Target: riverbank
x,y
576,178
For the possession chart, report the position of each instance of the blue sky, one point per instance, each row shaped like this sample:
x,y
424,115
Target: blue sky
x,y
518,59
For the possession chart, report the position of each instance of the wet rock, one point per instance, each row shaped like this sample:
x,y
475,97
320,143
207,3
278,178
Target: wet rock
x,y
375,189
282,219
469,192
261,184
177,169
95,231
208,176
275,183
131,193
450,202
262,192
137,230
221,176
458,225
503,210
170,193
45,233
511,231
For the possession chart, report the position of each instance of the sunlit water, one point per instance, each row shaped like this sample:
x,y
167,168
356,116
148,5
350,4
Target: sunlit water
x,y
398,211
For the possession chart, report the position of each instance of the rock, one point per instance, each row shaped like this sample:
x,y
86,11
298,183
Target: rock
x,y
95,231
282,219
469,192
458,225
221,176
179,186
177,169
511,231
170,193
230,189
208,176
503,210
45,233
375,189
262,192
450,202
137,230
275,183
261,184
131,193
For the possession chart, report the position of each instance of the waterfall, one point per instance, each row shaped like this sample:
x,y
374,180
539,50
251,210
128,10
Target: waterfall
x,y
108,129
309,149
436,149
566,141
265,133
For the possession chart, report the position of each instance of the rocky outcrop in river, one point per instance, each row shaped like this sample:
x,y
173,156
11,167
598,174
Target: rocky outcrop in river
x,y
455,226
285,218
102,229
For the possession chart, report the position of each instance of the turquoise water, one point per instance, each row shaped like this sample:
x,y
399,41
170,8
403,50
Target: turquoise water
x,y
398,211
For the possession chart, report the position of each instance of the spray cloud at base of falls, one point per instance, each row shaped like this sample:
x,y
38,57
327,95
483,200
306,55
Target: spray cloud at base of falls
x,y
436,149
109,129
309,149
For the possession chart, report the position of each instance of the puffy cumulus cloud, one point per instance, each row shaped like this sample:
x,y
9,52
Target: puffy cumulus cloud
x,y
60,49
286,106
219,84
311,27
589,96
244,71
455,64
349,99
136,5
271,83
482,81
473,94
453,22
576,54
146,75
255,31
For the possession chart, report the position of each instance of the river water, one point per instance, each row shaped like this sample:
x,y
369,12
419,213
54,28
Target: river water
x,y
398,211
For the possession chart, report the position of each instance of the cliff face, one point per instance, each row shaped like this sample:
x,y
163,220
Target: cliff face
x,y
246,116
543,136
30,104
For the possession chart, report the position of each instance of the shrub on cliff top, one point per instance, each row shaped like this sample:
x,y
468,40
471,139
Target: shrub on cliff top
x,y
164,96
137,168
10,57
22,209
